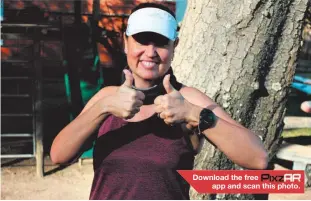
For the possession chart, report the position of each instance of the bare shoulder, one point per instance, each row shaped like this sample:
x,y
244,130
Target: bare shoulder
x,y
104,92
198,98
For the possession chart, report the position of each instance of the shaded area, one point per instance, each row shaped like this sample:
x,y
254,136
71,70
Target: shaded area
x,y
301,140
6,163
50,167
294,101
53,171
284,163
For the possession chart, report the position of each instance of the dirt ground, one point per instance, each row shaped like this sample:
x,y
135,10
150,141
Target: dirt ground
x,y
71,183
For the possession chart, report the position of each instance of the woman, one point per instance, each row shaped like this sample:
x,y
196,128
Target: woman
x,y
144,124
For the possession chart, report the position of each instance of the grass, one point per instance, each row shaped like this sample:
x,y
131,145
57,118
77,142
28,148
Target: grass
x,y
298,132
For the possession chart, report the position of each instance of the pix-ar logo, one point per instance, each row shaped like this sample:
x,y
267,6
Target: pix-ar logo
x,y
281,178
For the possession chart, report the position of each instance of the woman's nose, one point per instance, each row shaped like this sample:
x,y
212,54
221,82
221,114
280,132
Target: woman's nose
x,y
151,50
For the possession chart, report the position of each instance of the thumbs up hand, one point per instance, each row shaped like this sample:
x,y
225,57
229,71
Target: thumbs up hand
x,y
128,79
126,102
172,107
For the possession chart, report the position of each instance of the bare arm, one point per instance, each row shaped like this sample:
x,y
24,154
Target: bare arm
x,y
241,145
123,102
70,139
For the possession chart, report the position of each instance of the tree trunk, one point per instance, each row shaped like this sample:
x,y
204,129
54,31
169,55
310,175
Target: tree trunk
x,y
243,55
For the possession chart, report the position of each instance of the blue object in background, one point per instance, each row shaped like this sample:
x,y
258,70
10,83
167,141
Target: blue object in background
x,y
181,6
301,85
1,10
301,79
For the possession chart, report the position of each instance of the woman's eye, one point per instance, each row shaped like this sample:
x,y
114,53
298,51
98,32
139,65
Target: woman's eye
x,y
142,40
161,42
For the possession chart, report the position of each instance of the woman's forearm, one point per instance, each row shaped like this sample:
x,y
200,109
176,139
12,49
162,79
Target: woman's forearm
x,y
239,144
69,141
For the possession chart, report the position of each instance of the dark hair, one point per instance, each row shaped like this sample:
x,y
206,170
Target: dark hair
x,y
154,5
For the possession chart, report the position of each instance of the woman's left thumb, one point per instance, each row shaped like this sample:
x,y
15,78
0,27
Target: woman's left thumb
x,y
167,85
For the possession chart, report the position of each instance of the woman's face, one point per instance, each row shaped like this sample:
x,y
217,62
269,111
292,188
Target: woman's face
x,y
149,55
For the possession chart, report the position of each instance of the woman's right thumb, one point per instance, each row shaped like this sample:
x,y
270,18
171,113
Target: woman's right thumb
x,y
128,78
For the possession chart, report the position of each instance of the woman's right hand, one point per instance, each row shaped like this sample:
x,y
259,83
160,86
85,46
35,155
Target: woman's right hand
x,y
126,102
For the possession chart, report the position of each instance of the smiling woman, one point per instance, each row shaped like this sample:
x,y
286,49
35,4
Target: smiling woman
x,y
150,43
149,56
140,144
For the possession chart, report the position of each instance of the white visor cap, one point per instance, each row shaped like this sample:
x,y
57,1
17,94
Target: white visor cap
x,y
152,20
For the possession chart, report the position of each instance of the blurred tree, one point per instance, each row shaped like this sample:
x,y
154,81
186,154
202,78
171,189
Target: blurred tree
x,y
243,55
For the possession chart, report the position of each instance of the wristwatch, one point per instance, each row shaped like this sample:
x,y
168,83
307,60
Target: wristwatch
x,y
207,120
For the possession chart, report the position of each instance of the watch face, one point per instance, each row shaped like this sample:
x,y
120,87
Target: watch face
x,y
207,119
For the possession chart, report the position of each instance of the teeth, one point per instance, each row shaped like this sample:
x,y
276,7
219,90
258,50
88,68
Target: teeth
x,y
149,63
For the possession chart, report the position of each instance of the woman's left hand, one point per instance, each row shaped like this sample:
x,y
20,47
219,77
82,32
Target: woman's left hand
x,y
172,107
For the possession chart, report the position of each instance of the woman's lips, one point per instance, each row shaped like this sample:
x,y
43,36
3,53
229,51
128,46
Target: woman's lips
x,y
148,64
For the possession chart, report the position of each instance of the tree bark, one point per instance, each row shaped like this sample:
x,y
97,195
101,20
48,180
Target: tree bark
x,y
243,55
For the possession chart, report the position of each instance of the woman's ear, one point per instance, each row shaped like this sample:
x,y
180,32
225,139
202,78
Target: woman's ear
x,y
125,43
